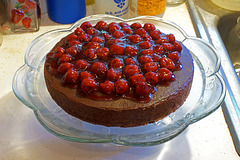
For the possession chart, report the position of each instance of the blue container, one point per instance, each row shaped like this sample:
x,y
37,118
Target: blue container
x,y
66,11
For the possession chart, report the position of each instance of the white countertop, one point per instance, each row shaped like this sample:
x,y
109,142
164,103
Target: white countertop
x,y
23,138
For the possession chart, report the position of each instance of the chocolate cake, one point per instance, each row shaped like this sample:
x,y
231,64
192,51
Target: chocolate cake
x,y
119,74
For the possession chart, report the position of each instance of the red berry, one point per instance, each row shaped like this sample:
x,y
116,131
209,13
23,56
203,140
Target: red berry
x,y
118,34
164,74
121,86
145,45
131,70
101,25
171,38
149,27
89,54
145,59
167,63
142,89
81,64
84,37
85,74
79,31
116,63
146,37
141,31
107,87
150,67
113,41
73,51
113,74
130,50
86,25
152,78
156,57
168,47
102,53
88,85
177,46
112,27
99,69
113,24
175,55
64,58
135,38
158,49
136,25
147,52
93,45
136,78
155,34
74,42
70,76
128,61
64,67
72,37
161,40
116,49
91,31
107,36
123,24
96,39
59,51
127,30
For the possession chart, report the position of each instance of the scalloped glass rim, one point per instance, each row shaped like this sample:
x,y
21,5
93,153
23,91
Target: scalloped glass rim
x,y
208,91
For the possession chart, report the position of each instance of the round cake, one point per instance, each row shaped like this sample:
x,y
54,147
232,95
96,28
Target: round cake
x,y
119,74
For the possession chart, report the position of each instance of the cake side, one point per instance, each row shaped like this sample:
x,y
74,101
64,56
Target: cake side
x,y
119,113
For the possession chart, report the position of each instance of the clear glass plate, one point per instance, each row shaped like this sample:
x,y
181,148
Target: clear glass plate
x,y
206,95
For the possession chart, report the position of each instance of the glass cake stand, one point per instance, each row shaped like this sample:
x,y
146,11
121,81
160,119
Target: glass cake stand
x,y
206,95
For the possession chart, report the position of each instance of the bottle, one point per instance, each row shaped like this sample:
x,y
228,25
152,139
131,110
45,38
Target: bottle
x,y
147,8
117,8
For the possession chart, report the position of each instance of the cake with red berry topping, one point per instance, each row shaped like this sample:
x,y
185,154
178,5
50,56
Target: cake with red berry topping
x,y
119,74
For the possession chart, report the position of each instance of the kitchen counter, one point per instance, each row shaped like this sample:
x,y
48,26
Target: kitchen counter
x,y
23,138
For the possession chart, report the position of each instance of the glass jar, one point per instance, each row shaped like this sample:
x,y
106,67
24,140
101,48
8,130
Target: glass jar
x,y
24,15
147,8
